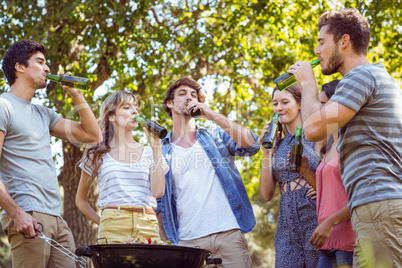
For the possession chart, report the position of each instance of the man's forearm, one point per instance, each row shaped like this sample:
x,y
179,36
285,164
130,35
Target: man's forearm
x,y
340,216
88,120
7,203
310,109
241,135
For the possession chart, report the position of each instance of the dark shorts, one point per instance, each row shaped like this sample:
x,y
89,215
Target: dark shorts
x,y
334,258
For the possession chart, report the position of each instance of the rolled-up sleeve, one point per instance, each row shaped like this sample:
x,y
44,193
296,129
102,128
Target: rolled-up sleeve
x,y
234,148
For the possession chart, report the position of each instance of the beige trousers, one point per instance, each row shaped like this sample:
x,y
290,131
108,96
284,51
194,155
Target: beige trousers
x,y
36,253
378,228
231,246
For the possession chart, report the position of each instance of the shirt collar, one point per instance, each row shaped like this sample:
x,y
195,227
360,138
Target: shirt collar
x,y
167,140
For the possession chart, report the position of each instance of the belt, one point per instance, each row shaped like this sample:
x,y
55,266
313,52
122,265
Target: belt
x,y
146,210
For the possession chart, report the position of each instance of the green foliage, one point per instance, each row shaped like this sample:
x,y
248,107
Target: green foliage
x,y
143,46
5,250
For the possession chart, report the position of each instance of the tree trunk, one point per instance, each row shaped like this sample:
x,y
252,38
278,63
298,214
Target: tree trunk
x,y
84,230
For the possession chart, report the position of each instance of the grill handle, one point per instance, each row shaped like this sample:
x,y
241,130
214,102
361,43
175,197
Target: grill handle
x,y
84,251
213,260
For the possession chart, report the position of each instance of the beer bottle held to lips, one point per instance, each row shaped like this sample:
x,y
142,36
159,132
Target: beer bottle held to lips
x,y
271,134
286,80
70,81
297,152
152,127
194,114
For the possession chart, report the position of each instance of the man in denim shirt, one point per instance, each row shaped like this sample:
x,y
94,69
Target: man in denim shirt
x,y
205,202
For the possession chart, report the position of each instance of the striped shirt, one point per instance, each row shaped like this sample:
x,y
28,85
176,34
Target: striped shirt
x,y
124,183
370,144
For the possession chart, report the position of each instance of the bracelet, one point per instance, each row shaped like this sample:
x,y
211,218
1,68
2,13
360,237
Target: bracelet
x,y
266,166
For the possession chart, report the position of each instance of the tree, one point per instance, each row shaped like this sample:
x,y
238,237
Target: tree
x,y
143,46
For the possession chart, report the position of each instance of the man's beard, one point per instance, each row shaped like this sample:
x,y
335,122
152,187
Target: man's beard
x,y
43,85
39,84
179,111
334,63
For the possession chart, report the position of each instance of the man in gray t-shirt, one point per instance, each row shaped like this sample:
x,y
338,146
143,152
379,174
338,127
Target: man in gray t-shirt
x,y
367,110
29,189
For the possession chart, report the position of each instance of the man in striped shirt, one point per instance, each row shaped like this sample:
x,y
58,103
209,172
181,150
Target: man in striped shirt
x,y
367,110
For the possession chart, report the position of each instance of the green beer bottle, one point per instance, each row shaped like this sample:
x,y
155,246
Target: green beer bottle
x,y
193,113
70,81
286,80
271,134
152,127
297,152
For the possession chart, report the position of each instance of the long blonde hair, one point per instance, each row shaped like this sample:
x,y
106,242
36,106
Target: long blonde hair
x,y
111,103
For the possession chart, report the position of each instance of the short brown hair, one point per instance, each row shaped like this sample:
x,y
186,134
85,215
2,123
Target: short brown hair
x,y
20,52
184,81
348,21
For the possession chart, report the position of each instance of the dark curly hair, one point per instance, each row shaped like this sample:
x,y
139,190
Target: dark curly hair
x,y
347,21
20,52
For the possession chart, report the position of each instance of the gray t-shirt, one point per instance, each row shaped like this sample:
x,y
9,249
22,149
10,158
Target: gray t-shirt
x,y
370,144
26,164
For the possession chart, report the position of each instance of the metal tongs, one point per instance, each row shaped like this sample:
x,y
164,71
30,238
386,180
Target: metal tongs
x,y
62,249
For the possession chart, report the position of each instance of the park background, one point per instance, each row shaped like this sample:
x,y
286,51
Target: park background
x,y
234,49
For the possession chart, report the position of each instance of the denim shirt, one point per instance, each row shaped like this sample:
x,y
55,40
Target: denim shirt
x,y
220,148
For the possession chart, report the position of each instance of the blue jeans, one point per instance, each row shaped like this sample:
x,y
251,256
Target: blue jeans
x,y
334,258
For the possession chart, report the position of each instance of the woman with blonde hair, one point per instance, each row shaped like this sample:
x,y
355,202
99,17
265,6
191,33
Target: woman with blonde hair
x,y
130,175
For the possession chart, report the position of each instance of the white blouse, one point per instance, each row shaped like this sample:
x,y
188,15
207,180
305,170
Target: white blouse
x,y
125,183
